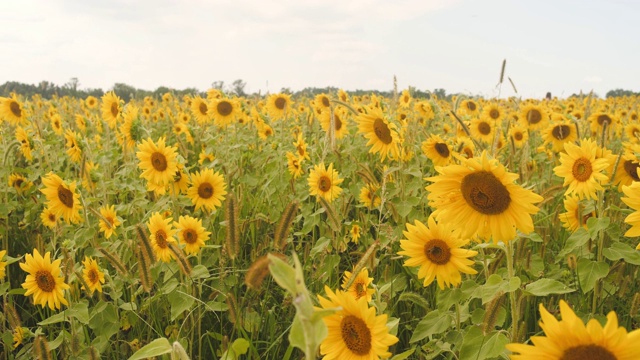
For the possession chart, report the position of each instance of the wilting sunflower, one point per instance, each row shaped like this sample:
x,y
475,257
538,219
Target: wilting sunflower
x,y
294,165
191,233
570,339
627,170
436,249
360,286
91,102
437,150
323,182
73,149
19,182
111,109
207,189
534,116
11,110
482,129
162,233
49,218
62,199
44,280
558,134
354,332
157,162
109,220
200,110
519,134
480,197
278,105
368,196
340,123
92,276
577,213
224,111
633,201
383,136
581,170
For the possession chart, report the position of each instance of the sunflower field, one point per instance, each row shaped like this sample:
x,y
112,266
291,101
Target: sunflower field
x,y
337,227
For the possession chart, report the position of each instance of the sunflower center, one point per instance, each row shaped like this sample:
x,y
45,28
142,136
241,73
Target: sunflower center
x,y
52,217
300,150
604,118
15,109
485,193
560,132
361,290
280,103
203,108
92,275
65,196
471,106
224,108
468,152
484,128
382,131
18,183
324,184
161,239
582,169
442,149
584,217
588,352
338,122
325,101
494,114
631,167
190,236
205,190
534,116
110,220
114,109
45,280
518,136
356,335
159,161
437,251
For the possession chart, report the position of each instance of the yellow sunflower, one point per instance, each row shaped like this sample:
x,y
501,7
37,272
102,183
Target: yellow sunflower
x,y
534,116
224,111
491,112
73,149
25,145
207,189
56,124
180,183
49,218
162,233
627,170
109,220
480,197
322,103
581,170
437,150
91,102
301,147
558,134
465,147
469,107
355,233
383,136
19,182
81,123
11,110
436,249
368,196
632,132
62,199
157,162
200,110
340,123
360,286
92,276
570,339
633,201
482,129
191,233
3,264
131,129
264,131
601,118
44,280
354,332
519,134
278,105
323,182
294,165
111,109
577,213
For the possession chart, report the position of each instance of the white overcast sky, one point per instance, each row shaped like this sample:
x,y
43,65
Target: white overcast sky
x,y
550,45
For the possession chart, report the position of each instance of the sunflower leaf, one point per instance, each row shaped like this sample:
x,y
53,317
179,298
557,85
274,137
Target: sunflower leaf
x,y
623,251
435,322
544,287
155,348
589,272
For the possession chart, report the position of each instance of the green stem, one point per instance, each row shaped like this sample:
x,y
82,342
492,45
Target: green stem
x,y
515,314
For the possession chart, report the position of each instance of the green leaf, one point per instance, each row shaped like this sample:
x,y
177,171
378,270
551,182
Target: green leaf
x,y
320,246
544,287
239,347
620,250
495,284
283,274
296,334
199,272
435,322
589,272
477,346
155,348
104,319
54,319
596,224
80,311
217,306
404,355
179,302
577,239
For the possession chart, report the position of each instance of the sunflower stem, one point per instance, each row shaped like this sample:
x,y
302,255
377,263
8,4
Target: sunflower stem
x,y
512,295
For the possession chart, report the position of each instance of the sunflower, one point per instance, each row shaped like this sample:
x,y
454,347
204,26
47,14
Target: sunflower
x,y
469,107
278,105
205,156
323,182
627,170
339,123
601,118
180,183
109,221
19,182
131,129
157,162
191,233
207,189
56,124
436,249
354,332
577,213
632,132
519,134
162,233
294,165
200,110
62,199
322,103
437,150
383,136
3,263
465,147
355,233
11,110
224,111
91,102
44,280
558,134
25,145
482,129
492,112
405,99
111,109
368,196
360,286
264,131
73,149
480,197
81,123
301,148
92,276
534,116
49,218
633,201
581,170
570,339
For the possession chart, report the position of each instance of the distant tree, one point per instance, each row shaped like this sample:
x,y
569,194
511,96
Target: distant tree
x,y
620,93
237,87
440,93
124,91
286,90
218,85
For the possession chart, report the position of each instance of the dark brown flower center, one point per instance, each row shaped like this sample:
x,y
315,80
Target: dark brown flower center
x,y
360,289
442,149
205,190
518,136
437,251
337,122
561,132
325,101
114,109
324,184
18,183
494,114
356,335
161,239
485,193
45,280
484,128
604,118
92,276
280,103
582,169
159,161
15,108
631,167
203,108
52,217
65,196
471,106
224,108
588,352
382,131
534,116
190,236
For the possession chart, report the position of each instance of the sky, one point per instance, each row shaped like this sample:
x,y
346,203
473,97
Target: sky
x,y
559,46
